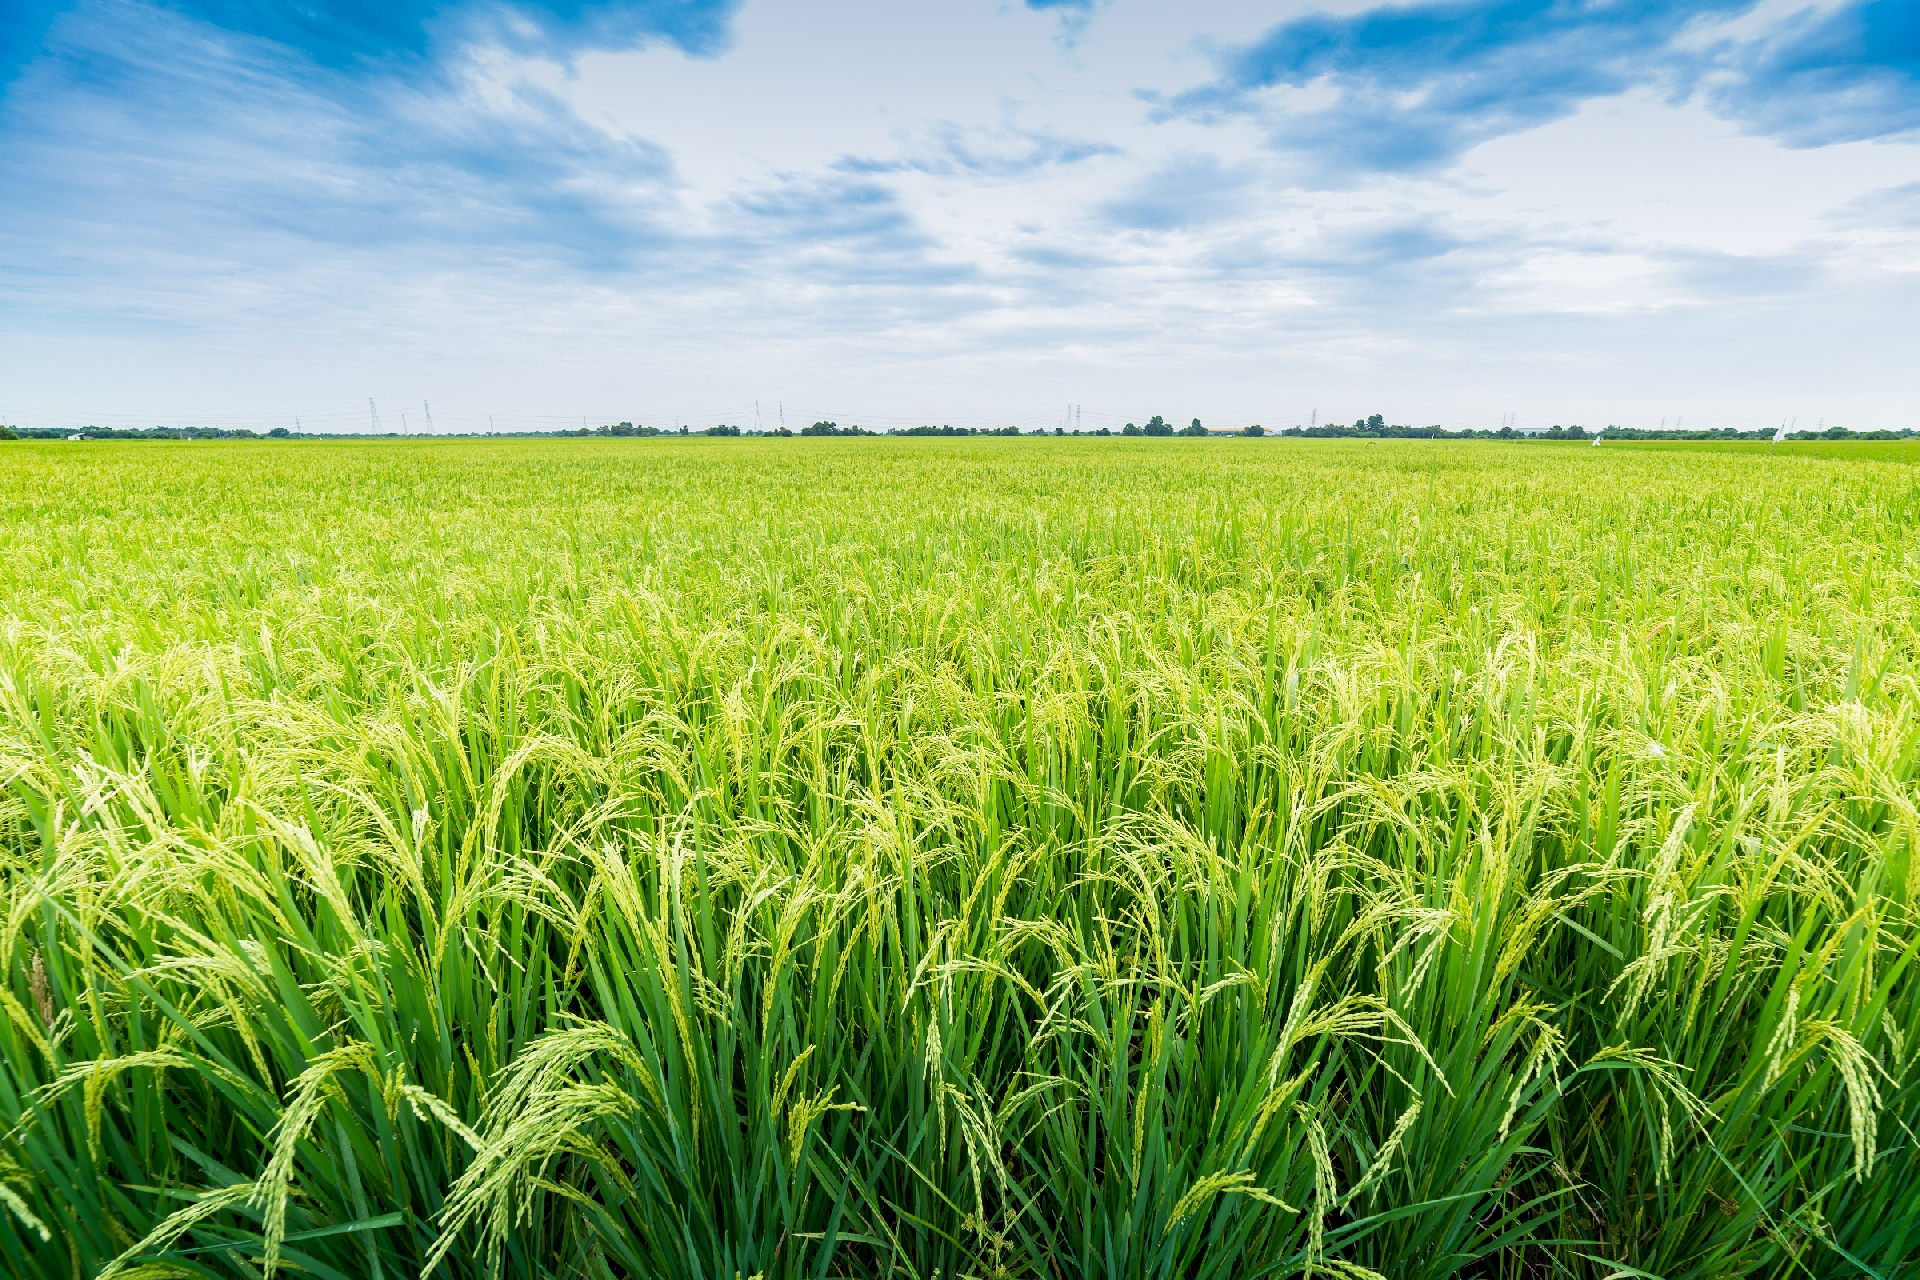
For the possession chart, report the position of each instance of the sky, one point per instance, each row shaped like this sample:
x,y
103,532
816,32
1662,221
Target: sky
x,y
461,216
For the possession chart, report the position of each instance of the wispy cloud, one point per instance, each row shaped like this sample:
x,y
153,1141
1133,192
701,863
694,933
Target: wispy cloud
x,y
1188,191
947,149
1845,75
662,193
1075,16
834,231
1889,208
157,157
1408,89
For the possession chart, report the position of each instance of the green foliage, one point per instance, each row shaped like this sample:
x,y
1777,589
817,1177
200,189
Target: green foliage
x,y
499,858
1375,426
135,433
1157,426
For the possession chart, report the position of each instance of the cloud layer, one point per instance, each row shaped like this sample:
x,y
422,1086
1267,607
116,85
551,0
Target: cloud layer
x,y
676,209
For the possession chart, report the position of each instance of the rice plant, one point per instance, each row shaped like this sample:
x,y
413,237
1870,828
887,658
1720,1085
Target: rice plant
x,y
959,859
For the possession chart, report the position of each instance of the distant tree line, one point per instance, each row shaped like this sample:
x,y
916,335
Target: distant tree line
x,y
1377,427
1374,426
835,429
140,433
961,431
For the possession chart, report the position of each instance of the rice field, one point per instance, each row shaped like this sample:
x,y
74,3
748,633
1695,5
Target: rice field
x,y
906,858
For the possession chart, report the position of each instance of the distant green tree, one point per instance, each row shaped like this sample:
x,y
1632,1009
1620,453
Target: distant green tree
x,y
7,433
1130,430
1157,426
1255,430
1194,430
279,433
821,429
723,430
1104,432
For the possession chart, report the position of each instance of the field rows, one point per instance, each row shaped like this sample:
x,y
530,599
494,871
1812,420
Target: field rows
x,y
959,858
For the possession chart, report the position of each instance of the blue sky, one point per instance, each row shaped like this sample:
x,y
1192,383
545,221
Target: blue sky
x,y
673,211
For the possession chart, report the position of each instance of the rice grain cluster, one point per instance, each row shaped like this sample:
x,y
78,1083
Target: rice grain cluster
x,y
950,859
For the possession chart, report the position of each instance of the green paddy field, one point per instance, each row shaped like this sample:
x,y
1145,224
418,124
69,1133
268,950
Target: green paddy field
x,y
977,858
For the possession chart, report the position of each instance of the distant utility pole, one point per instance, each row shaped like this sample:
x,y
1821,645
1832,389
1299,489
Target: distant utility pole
x,y
296,424
1314,421
374,414
756,417
783,414
428,410
403,424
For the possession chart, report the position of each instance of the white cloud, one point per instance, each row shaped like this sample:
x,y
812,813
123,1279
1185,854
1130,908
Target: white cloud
x,y
881,213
